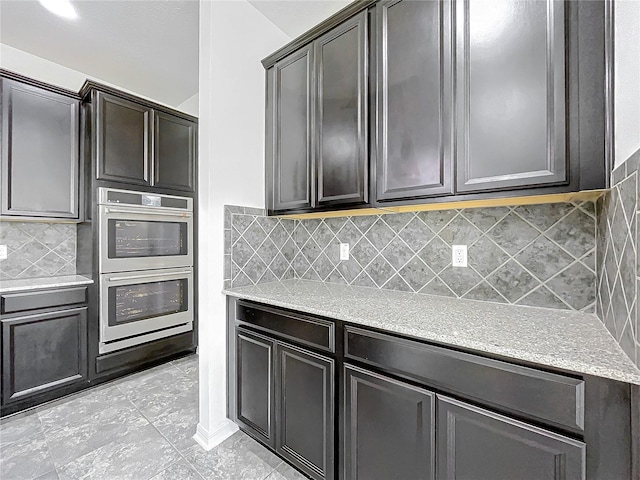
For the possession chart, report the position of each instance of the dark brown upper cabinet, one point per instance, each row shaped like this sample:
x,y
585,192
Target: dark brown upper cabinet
x,y
414,78
292,98
138,144
317,153
341,113
123,140
510,71
419,101
175,137
40,151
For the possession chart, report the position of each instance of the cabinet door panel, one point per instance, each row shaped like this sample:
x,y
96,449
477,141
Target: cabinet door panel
x,y
122,140
43,352
293,144
174,152
414,98
510,94
341,125
255,384
305,413
40,151
475,444
389,428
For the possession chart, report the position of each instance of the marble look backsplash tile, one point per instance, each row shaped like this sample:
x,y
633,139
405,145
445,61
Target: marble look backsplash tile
x,y
38,249
257,248
542,255
618,264
532,255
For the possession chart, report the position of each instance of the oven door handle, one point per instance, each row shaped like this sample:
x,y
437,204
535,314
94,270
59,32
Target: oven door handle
x,y
150,275
149,212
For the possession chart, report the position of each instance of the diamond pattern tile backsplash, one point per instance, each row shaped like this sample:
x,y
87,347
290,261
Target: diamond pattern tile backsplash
x,y
542,255
38,249
617,262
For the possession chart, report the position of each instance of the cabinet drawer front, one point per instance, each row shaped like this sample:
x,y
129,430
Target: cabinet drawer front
x,y
44,352
18,302
477,444
551,398
299,328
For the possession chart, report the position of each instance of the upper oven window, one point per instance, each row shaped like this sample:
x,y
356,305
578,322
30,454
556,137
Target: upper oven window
x,y
142,238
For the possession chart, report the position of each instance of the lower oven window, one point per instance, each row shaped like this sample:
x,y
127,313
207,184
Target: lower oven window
x,y
141,301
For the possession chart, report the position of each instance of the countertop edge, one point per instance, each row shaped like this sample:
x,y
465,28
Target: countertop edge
x,y
454,342
46,285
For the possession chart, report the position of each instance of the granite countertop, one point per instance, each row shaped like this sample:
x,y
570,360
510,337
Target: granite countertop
x,y
22,284
568,340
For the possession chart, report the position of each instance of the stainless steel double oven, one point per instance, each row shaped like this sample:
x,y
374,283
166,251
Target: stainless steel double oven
x,y
146,267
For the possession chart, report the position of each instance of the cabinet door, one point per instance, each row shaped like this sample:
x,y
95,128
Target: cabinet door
x,y
389,428
474,444
123,140
305,412
414,55
40,152
510,72
43,352
293,131
255,385
341,113
174,152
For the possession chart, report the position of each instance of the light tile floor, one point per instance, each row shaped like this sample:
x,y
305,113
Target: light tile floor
x,y
136,428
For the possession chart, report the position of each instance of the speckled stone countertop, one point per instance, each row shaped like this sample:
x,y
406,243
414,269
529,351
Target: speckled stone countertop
x,y
564,339
22,284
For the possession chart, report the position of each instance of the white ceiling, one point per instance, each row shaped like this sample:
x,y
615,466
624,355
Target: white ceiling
x,y
146,46
149,47
294,17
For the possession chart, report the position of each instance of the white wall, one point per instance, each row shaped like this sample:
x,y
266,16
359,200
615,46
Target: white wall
x,y
234,37
626,79
39,68
190,105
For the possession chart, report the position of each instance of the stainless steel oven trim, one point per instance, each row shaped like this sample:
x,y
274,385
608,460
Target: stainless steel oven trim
x,y
112,333
110,265
164,212
103,194
130,342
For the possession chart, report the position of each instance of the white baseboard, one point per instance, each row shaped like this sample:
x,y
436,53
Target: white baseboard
x,y
220,433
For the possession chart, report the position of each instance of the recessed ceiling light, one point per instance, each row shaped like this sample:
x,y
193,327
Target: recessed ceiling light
x,y
62,8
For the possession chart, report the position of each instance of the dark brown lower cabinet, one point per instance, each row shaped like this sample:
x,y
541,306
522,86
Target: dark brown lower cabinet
x,y
304,386
475,444
383,406
285,399
389,428
43,354
255,382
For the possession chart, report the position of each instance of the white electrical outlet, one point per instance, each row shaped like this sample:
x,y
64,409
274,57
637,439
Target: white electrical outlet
x,y
344,251
459,255
3,252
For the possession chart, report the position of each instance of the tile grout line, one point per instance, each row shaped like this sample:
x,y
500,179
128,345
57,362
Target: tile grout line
x,y
161,434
